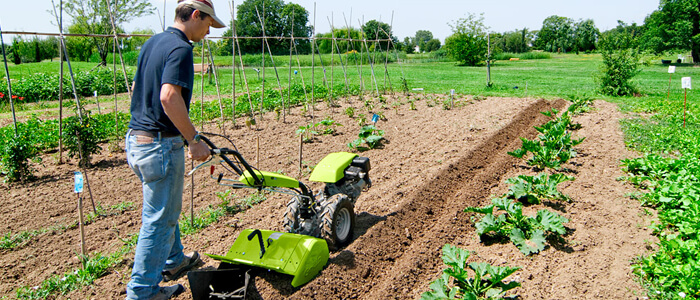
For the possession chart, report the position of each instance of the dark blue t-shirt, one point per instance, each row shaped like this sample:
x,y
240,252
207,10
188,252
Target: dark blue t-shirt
x,y
165,58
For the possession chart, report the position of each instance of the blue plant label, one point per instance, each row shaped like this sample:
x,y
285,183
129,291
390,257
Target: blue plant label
x,y
295,72
78,182
375,118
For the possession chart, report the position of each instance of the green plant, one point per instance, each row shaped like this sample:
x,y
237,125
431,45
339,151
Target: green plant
x,y
81,138
527,233
369,135
307,132
13,241
361,120
329,125
532,189
412,105
486,283
15,156
620,65
553,147
350,112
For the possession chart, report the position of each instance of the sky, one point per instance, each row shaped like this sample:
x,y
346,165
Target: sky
x,y
407,16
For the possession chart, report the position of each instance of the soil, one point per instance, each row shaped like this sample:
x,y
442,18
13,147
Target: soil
x,y
435,163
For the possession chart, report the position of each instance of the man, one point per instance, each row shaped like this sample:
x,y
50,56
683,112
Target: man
x,y
159,127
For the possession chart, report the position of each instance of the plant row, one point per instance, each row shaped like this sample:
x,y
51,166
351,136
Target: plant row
x,y
40,86
504,218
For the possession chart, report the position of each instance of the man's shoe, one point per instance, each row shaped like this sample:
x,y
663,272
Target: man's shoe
x,y
188,263
167,292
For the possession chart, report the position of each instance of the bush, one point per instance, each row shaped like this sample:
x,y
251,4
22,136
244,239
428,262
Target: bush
x,y
467,49
82,138
620,65
14,158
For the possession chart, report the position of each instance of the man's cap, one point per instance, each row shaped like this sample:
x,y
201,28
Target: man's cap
x,y
205,6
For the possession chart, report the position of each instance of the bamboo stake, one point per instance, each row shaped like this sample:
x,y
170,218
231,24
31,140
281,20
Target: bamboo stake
x,y
216,81
330,90
245,78
340,58
301,74
87,180
262,93
386,65
97,100
114,91
9,85
301,147
82,230
121,57
289,78
313,68
60,93
70,69
358,65
279,84
369,58
233,68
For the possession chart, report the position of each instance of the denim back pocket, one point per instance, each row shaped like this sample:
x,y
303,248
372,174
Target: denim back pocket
x,y
146,160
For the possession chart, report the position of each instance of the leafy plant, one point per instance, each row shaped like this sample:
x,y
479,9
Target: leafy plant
x,y
553,147
307,132
532,189
350,112
15,156
369,135
329,125
527,233
81,138
486,283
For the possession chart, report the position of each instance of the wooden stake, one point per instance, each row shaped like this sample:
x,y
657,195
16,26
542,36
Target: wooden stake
x,y
9,85
233,68
257,160
301,147
669,87
685,102
82,229
218,91
97,100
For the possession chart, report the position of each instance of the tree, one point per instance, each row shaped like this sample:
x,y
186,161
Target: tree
x,y
278,23
468,43
409,46
586,35
134,43
620,64
375,30
432,45
675,26
517,41
93,17
423,37
341,34
557,34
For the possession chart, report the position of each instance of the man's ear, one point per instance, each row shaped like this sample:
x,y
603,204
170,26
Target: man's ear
x,y
195,14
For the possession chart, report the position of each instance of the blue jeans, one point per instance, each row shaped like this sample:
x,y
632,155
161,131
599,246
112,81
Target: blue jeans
x,y
160,165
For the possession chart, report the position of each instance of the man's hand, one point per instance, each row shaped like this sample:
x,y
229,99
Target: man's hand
x,y
198,151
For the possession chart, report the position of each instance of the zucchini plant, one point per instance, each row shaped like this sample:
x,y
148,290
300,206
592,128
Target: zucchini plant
x,y
486,283
369,135
553,147
527,233
532,189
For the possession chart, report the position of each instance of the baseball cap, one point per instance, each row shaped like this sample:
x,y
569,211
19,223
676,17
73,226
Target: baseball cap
x,y
205,6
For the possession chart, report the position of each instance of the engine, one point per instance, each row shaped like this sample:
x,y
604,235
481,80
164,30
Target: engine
x,y
354,181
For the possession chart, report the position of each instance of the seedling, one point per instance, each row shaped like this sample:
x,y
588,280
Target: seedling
x,y
487,282
328,125
369,135
307,132
350,112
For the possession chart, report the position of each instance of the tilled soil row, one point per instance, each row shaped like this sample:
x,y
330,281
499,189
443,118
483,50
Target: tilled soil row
x,y
400,255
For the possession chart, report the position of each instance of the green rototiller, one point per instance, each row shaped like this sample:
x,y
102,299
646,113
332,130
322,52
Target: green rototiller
x,y
314,223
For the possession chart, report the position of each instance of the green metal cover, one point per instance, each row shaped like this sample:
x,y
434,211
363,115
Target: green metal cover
x,y
298,255
330,168
269,179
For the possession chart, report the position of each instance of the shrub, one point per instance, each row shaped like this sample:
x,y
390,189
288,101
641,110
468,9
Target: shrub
x,y
620,65
15,156
81,138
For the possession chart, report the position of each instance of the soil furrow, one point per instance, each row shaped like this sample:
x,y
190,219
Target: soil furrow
x,y
431,217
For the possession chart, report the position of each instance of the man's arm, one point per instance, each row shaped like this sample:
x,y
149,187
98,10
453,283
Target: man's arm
x,y
174,107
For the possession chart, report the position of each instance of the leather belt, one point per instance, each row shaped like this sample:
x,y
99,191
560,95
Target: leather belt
x,y
154,134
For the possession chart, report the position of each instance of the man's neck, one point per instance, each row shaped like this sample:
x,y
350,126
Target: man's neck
x,y
182,28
